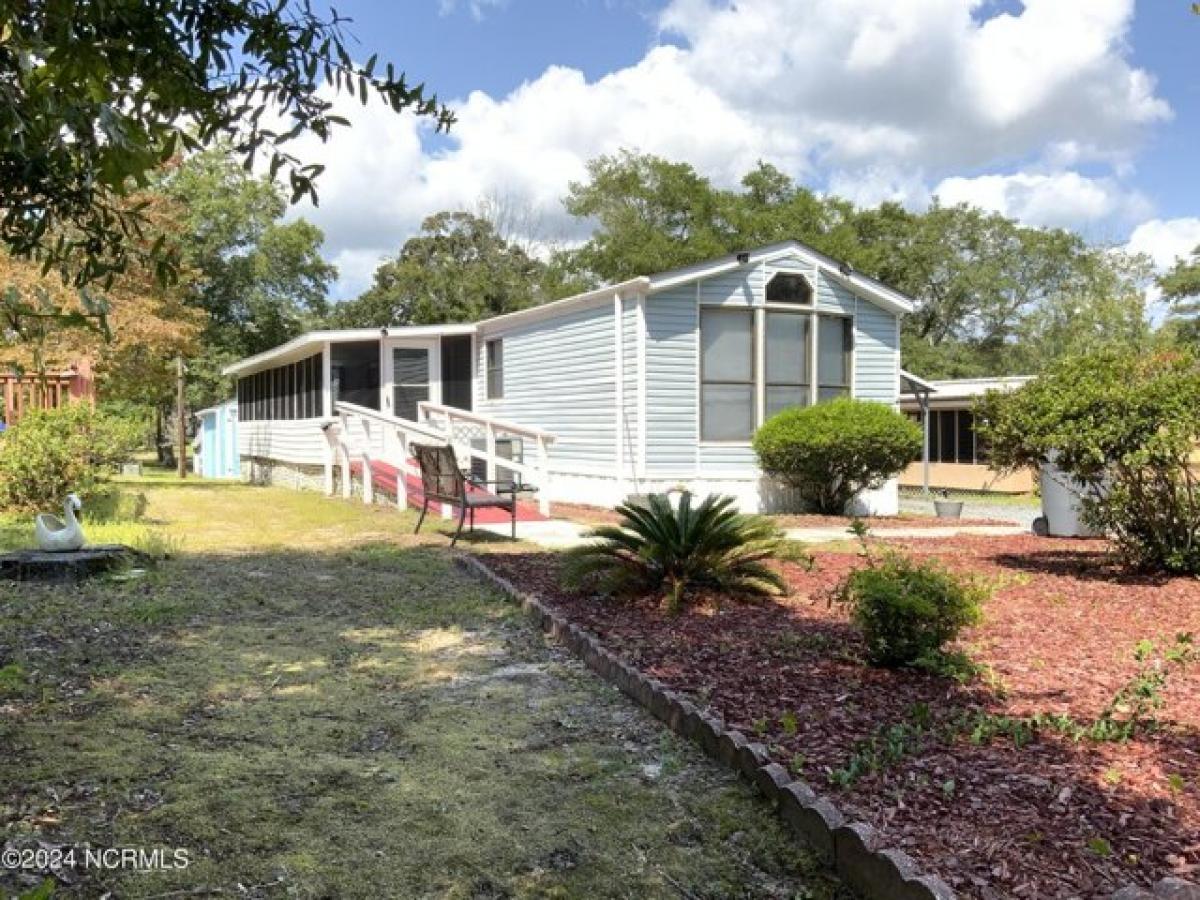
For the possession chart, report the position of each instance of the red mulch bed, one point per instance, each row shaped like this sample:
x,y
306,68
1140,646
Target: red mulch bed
x,y
1054,818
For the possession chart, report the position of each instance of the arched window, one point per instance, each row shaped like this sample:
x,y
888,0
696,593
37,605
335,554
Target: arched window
x,y
793,289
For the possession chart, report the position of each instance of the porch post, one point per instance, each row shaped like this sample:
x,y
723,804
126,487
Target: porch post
x,y
923,400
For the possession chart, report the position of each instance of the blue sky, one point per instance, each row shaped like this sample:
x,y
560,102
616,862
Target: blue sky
x,y
1080,114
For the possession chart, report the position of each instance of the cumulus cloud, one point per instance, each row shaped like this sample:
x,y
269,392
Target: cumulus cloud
x,y
869,98
1166,240
1058,199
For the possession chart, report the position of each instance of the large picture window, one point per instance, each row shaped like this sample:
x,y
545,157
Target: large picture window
x,y
726,374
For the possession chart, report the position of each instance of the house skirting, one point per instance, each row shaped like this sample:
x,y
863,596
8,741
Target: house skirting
x,y
754,494
968,477
300,476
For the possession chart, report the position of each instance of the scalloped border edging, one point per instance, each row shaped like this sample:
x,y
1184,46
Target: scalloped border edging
x,y
853,849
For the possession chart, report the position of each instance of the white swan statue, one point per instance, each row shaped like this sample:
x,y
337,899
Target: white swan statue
x,y
57,535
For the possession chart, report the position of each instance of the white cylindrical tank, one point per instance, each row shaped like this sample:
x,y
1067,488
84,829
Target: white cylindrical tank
x,y
1062,503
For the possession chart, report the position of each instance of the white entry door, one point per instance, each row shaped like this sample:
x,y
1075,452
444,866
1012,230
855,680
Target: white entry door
x,y
410,375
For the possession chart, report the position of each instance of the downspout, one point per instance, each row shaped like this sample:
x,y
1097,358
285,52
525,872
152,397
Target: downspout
x,y
619,394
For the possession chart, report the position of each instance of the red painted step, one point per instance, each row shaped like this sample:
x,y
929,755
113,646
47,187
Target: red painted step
x,y
385,476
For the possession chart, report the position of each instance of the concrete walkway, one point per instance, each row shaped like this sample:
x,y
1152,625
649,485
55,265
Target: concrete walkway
x,y
823,535
559,534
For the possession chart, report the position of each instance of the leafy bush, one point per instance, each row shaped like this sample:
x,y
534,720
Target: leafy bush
x,y
50,453
833,451
1125,425
659,546
908,609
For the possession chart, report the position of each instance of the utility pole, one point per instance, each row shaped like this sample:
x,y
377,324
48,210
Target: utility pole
x,y
181,426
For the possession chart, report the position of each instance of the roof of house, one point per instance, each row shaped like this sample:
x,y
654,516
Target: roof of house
x,y
312,341
966,388
839,272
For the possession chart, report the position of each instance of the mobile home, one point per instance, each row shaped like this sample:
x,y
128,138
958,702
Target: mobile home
x,y
650,384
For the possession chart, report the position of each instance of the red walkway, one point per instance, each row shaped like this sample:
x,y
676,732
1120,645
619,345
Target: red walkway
x,y
384,478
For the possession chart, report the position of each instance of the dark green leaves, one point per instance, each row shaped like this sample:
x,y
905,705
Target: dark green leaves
x,y
95,96
663,547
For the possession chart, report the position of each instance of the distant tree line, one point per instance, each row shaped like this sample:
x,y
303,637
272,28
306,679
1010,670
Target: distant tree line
x,y
993,296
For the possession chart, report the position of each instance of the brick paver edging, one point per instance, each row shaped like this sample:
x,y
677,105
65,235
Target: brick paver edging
x,y
854,849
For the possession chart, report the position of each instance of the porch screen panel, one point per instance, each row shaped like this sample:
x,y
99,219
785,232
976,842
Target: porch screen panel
x,y
966,436
788,366
947,434
355,373
410,380
834,337
726,374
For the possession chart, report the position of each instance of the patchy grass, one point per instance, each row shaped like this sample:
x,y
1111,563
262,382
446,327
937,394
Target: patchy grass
x,y
313,703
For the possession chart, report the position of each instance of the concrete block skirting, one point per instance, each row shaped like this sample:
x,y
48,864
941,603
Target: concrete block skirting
x,y
854,850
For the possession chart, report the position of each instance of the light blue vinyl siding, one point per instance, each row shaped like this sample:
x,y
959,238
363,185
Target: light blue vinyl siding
x,y
741,287
672,401
559,376
727,460
672,414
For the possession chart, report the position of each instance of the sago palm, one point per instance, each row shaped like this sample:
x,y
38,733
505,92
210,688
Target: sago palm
x,y
660,547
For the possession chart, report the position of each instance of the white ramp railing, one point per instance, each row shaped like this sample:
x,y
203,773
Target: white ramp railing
x,y
366,435
466,430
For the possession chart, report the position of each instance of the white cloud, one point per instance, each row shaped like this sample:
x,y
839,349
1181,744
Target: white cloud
x,y
1055,199
875,99
477,8
1166,240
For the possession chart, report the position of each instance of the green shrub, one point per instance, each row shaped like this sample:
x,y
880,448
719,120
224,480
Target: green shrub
x,y
52,452
833,451
908,609
662,547
1127,426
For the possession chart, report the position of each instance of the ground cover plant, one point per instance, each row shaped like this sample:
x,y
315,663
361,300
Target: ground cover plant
x,y
907,608
833,451
315,703
1050,752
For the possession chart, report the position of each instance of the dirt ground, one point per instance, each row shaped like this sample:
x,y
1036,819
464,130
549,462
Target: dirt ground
x,y
311,703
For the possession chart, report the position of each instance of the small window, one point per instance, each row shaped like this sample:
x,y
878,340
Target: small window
x,y
495,369
726,375
793,289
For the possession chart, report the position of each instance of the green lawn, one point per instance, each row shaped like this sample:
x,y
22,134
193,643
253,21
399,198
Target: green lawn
x,y
312,703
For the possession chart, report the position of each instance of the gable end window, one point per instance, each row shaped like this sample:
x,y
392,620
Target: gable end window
x,y
791,289
495,369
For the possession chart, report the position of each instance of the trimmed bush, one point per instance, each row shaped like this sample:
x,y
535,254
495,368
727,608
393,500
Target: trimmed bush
x,y
833,451
908,609
1127,426
52,452
663,548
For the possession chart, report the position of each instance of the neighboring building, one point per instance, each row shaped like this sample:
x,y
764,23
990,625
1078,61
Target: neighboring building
x,y
215,449
636,387
958,457
21,392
